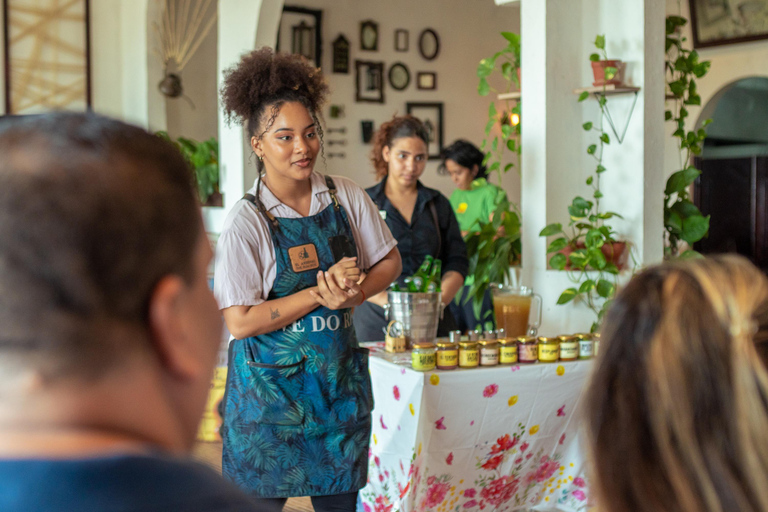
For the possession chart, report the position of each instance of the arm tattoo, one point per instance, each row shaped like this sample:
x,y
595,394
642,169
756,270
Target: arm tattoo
x,y
274,313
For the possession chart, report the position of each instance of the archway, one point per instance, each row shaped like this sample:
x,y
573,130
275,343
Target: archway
x,y
734,163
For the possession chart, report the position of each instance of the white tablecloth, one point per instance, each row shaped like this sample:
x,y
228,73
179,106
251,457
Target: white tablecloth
x,y
492,438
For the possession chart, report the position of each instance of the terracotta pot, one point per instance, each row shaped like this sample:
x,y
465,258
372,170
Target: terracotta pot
x,y
598,70
614,252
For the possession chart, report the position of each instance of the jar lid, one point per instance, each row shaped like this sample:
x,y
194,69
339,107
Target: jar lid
x,y
583,336
596,336
566,338
423,345
446,344
468,344
509,341
544,339
488,343
526,339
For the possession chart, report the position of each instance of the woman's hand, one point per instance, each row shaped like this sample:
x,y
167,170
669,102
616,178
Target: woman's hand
x,y
332,296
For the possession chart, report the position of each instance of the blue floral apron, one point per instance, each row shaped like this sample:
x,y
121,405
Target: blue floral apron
x,y
298,400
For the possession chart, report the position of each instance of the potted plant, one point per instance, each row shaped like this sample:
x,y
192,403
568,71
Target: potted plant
x,y
606,71
495,244
590,250
683,221
204,159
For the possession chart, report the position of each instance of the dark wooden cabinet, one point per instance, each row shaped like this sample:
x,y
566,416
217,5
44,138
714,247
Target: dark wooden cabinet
x,y
733,192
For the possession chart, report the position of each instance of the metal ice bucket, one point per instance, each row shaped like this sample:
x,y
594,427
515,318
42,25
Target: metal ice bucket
x,y
418,313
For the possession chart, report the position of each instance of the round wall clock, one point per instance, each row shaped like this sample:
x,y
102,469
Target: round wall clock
x,y
429,44
399,76
369,35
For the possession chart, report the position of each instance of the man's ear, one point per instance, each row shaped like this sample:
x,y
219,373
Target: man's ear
x,y
168,330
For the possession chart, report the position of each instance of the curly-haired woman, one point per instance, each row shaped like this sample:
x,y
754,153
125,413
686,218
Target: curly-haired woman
x,y
420,218
677,408
298,393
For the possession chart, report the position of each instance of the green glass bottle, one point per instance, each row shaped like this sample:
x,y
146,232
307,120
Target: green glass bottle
x,y
435,277
394,287
421,278
410,285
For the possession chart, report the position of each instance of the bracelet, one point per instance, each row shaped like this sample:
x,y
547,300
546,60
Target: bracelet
x,y
363,294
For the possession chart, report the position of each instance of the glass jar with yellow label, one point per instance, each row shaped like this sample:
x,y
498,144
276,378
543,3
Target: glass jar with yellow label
x,y
507,348
569,348
447,355
527,349
469,354
586,346
549,349
423,356
489,352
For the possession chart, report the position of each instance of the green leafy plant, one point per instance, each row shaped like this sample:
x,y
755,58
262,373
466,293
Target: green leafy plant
x,y
495,244
683,221
589,251
204,159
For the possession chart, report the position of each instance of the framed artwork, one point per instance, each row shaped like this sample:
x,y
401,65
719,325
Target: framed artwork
x,y
369,36
401,40
399,76
341,55
429,44
718,22
47,56
431,114
369,81
426,80
301,32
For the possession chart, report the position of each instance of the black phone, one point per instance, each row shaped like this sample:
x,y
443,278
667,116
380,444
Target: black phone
x,y
341,247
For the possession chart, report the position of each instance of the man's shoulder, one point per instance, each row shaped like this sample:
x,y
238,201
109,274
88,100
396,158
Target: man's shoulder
x,y
119,483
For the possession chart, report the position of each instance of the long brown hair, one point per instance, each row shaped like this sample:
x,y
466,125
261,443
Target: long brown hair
x,y
677,407
398,127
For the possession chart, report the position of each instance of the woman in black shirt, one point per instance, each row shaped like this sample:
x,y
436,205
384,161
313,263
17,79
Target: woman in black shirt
x,y
420,218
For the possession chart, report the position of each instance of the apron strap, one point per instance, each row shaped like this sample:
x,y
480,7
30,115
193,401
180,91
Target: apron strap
x,y
332,190
256,201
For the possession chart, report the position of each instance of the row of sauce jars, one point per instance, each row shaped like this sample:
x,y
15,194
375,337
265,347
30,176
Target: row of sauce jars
x,y
495,348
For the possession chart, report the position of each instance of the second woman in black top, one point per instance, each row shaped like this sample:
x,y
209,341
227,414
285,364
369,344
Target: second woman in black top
x,y
420,218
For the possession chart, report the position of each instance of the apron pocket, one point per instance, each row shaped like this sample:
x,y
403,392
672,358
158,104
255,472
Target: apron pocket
x,y
277,391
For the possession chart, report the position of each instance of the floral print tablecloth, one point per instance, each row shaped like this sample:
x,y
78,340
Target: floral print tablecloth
x,y
498,438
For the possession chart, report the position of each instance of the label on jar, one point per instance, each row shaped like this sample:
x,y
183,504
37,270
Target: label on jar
x,y
508,355
549,352
569,350
422,361
489,356
528,353
585,349
447,358
469,358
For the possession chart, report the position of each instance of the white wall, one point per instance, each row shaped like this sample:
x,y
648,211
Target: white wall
x,y
468,30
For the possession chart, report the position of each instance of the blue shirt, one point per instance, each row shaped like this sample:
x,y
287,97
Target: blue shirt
x,y
119,483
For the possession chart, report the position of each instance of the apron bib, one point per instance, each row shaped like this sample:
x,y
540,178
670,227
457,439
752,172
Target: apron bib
x,y
298,401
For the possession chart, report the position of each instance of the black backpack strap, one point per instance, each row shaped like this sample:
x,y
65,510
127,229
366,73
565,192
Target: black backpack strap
x,y
433,209
332,190
256,202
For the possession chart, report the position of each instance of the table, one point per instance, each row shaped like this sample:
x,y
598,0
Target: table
x,y
489,438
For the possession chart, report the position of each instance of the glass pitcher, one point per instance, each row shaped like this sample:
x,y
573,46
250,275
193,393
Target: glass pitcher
x,y
512,308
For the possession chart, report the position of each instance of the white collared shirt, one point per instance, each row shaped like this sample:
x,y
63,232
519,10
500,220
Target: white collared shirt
x,y
245,256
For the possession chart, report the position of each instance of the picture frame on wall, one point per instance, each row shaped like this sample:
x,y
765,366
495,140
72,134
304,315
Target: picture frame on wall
x,y
426,80
369,36
300,32
399,76
721,22
369,81
401,40
47,56
431,114
341,55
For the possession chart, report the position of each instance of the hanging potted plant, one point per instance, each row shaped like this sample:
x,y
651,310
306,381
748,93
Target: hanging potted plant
x,y
589,250
606,71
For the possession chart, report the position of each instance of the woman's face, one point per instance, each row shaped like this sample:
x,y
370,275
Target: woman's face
x,y
460,176
406,160
290,146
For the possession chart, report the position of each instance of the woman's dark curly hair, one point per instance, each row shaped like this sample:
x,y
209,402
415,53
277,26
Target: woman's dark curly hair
x,y
398,127
264,80
466,155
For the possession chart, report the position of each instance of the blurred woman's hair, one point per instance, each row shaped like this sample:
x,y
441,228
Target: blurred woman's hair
x,y
397,128
677,407
466,155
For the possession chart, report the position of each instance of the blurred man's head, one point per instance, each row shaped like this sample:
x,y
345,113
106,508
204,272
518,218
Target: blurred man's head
x,y
103,261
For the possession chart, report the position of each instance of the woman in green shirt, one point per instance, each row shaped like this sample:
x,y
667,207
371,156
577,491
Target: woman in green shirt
x,y
473,200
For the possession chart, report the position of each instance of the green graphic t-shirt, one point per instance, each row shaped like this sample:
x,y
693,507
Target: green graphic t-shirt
x,y
477,203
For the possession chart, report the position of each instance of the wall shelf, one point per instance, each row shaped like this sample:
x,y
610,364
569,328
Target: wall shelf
x,y
610,90
515,95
